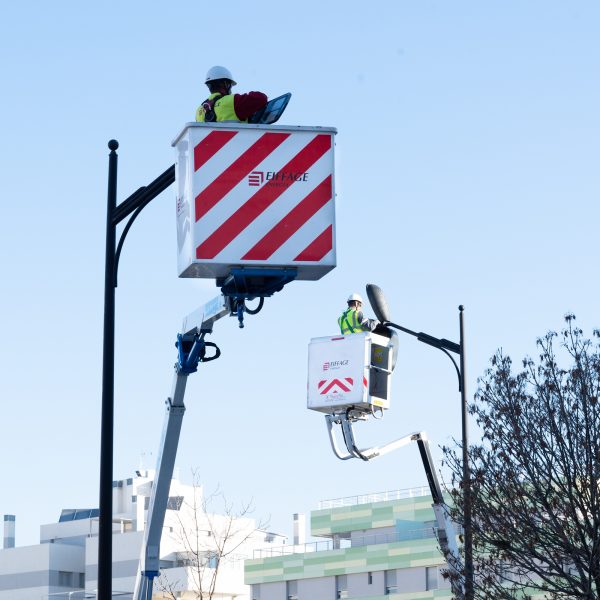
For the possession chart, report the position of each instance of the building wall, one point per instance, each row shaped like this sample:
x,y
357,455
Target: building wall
x,y
322,587
412,580
67,558
33,572
379,557
126,556
406,514
392,550
271,591
68,532
363,585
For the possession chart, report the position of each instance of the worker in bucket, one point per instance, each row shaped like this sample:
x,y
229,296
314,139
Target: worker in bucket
x,y
222,105
353,320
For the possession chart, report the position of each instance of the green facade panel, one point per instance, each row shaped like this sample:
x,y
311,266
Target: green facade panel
x,y
402,515
397,555
370,516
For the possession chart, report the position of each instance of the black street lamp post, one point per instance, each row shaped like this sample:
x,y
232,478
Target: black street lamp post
x,y
114,215
466,482
380,308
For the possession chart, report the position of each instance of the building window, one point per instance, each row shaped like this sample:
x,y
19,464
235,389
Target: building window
x,y
81,577
255,591
431,578
71,514
391,585
65,579
291,590
174,502
341,586
370,578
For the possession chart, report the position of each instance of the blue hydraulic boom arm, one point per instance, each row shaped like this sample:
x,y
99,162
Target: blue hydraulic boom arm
x,y
191,350
241,285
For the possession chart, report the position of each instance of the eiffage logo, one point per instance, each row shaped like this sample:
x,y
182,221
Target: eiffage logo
x,y
334,364
256,178
276,178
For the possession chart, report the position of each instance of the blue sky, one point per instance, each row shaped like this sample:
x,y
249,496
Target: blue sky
x,y
467,172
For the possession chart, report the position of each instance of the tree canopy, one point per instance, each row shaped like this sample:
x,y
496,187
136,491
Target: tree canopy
x,y
535,473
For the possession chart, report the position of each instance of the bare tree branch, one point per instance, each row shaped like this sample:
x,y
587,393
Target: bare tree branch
x,y
536,472
209,539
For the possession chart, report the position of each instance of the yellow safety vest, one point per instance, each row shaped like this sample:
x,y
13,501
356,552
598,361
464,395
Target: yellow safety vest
x,y
223,109
348,322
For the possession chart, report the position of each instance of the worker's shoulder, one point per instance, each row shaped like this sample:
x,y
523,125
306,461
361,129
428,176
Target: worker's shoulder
x,y
252,94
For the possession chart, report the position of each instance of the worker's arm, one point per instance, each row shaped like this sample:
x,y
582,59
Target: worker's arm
x,y
366,324
245,105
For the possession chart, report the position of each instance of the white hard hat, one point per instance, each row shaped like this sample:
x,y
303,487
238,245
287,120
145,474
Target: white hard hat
x,y
219,73
354,298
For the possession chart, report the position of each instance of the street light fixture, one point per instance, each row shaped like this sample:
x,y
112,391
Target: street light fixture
x,y
381,310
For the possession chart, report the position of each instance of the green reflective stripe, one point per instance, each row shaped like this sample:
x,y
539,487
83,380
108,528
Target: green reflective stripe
x,y
345,326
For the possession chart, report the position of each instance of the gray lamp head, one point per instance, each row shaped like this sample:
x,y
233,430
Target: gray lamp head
x,y
378,302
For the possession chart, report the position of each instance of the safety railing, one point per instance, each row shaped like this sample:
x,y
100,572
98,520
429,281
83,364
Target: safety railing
x,y
355,542
413,492
387,538
320,546
86,595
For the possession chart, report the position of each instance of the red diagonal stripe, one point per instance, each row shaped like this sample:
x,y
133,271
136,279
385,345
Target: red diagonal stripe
x,y
263,198
327,388
342,385
231,176
335,382
210,145
321,383
282,232
319,247
350,380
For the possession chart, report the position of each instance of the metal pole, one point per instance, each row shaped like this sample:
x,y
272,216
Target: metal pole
x,y
467,508
108,389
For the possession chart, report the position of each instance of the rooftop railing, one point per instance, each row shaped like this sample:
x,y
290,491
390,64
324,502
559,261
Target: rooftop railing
x,y
83,595
413,492
356,542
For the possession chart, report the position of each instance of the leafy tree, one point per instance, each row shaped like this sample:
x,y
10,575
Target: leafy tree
x,y
535,475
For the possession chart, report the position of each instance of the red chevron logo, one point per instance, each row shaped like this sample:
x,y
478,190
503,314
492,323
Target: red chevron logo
x,y
335,386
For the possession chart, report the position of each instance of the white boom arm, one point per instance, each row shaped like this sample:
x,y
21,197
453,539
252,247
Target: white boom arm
x,y
446,529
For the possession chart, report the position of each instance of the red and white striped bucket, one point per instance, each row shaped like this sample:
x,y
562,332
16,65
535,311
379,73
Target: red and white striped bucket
x,y
255,195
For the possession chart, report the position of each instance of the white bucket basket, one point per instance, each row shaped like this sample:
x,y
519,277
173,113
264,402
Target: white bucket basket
x,y
258,196
349,371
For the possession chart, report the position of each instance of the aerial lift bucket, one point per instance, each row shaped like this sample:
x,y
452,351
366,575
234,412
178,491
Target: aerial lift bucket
x,y
350,372
255,205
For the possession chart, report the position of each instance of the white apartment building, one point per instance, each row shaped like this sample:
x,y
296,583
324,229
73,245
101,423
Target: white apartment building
x,y
196,546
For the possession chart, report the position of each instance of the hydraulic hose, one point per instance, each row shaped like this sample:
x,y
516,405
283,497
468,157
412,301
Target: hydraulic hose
x,y
254,311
